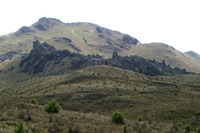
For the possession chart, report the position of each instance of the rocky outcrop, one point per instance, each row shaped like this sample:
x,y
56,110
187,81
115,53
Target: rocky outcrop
x,y
129,40
44,48
44,59
24,30
67,42
115,55
9,55
45,24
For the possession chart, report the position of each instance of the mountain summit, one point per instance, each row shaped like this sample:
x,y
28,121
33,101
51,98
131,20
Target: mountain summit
x,y
45,24
88,38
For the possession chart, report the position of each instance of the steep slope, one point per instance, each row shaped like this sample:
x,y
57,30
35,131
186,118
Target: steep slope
x,y
85,38
88,38
44,60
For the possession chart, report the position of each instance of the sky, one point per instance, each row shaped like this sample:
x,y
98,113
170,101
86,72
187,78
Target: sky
x,y
173,22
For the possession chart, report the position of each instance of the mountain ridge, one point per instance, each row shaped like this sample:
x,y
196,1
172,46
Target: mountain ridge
x,y
45,60
88,38
193,54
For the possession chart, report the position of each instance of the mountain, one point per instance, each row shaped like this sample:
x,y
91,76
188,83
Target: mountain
x,y
193,54
87,38
84,38
160,52
45,60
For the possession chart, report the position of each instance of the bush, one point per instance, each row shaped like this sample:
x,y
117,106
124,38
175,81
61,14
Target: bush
x,y
188,128
19,128
33,101
125,129
198,130
53,106
118,118
140,118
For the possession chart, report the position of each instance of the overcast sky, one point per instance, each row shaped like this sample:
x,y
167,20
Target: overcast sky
x,y
174,22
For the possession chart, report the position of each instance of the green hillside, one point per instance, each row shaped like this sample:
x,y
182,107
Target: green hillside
x,y
89,96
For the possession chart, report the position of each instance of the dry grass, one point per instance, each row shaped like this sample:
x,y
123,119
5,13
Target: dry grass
x,y
89,97
98,45
36,120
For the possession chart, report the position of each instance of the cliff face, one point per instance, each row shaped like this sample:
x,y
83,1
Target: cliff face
x,y
44,59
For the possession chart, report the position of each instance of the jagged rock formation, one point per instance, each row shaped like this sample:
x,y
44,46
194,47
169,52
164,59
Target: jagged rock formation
x,y
45,24
44,59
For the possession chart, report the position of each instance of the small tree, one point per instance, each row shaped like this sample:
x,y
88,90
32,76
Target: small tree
x,y
19,128
118,118
53,106
188,128
33,101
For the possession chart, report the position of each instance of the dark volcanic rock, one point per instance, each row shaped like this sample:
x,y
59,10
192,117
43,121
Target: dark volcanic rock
x,y
40,27
24,30
9,55
115,55
130,40
99,29
46,60
67,41
62,39
38,48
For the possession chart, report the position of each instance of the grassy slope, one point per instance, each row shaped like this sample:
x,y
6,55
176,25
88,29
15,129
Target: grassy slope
x,y
160,52
36,120
102,90
85,37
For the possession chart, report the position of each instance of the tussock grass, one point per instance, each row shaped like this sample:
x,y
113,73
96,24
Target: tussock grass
x,y
89,97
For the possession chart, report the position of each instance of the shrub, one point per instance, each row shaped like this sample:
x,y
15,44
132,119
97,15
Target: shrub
x,y
125,129
19,128
188,128
180,124
53,106
118,118
198,130
33,101
140,118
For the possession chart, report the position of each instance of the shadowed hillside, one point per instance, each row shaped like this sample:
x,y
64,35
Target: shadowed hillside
x,y
44,60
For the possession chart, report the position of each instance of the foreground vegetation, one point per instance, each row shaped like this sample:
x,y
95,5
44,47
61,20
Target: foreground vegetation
x,y
90,96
